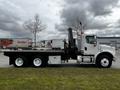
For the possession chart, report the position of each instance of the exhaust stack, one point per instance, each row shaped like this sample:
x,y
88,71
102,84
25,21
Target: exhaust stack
x,y
71,40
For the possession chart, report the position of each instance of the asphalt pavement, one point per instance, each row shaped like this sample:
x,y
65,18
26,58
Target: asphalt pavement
x,y
4,61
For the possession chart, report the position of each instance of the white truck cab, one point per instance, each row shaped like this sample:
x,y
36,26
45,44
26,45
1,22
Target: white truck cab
x,y
91,46
103,54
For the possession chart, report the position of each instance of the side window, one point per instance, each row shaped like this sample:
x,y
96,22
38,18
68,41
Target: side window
x,y
90,39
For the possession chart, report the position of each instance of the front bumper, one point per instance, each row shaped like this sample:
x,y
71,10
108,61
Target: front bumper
x,y
114,59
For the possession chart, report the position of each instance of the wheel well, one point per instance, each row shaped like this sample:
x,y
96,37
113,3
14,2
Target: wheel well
x,y
105,53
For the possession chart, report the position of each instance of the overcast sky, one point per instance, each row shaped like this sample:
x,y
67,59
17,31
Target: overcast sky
x,y
101,17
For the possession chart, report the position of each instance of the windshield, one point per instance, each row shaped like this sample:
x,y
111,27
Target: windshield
x,y
91,39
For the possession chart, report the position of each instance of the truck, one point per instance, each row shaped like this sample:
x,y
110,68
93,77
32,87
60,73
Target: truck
x,y
15,43
84,49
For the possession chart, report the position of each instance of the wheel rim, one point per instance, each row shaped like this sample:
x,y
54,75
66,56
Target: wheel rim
x,y
19,62
37,62
104,62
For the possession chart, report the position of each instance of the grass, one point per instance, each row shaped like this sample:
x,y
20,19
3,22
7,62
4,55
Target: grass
x,y
59,78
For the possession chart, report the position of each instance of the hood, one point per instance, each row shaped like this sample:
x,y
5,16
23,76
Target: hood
x,y
107,48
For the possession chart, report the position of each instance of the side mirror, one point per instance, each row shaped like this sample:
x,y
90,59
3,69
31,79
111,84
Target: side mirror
x,y
95,44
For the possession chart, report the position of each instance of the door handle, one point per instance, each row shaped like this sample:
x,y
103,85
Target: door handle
x,y
85,48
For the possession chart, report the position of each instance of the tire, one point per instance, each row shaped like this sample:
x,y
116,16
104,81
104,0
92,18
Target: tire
x,y
38,62
104,61
20,61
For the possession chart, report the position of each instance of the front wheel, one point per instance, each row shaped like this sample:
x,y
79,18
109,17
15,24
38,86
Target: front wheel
x,y
104,61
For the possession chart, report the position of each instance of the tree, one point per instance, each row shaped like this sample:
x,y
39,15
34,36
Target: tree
x,y
35,25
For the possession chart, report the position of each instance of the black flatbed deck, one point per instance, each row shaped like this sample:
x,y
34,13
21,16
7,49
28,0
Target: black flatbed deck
x,y
47,51
33,52
40,52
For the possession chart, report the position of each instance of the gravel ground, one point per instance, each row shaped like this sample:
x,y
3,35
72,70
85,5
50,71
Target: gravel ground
x,y
4,61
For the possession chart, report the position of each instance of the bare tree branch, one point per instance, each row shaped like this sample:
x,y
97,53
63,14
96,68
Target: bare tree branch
x,y
35,26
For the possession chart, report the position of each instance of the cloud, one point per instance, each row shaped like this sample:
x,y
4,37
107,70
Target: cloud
x,y
14,12
60,14
102,7
93,13
10,20
97,7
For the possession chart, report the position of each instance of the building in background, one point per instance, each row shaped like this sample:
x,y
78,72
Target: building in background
x,y
53,44
26,43
58,43
15,43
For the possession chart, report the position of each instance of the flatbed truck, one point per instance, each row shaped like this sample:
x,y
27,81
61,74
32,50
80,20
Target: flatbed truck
x,y
85,50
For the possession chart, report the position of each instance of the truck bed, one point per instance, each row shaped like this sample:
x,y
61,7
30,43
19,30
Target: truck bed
x,y
31,52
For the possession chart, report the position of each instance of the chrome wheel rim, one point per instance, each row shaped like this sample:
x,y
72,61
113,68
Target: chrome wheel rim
x,y
37,62
19,62
104,62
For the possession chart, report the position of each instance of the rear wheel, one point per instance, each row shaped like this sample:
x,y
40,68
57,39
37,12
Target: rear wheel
x,y
104,61
38,62
20,61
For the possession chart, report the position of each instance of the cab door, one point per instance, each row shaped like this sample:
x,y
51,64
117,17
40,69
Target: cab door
x,y
90,45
